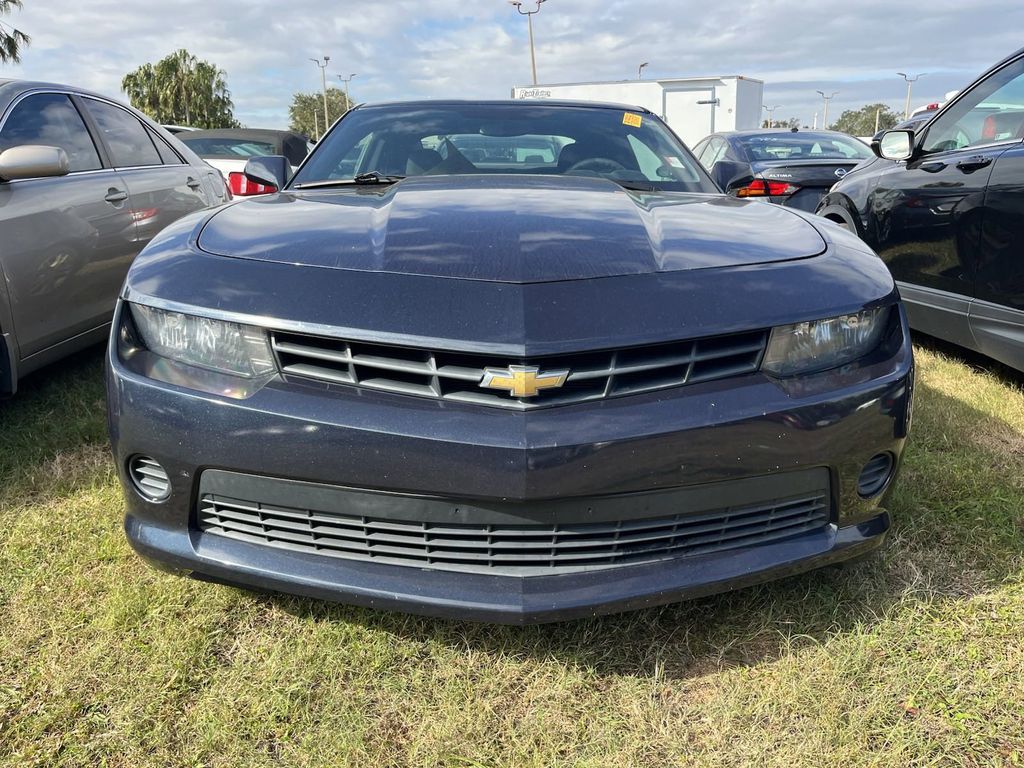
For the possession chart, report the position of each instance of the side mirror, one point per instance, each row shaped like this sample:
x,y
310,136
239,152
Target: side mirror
x,y
724,171
736,183
895,145
268,170
33,161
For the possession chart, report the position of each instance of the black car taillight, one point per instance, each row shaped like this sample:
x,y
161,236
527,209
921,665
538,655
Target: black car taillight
x,y
766,188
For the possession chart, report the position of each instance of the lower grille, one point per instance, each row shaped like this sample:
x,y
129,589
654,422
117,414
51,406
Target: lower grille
x,y
514,549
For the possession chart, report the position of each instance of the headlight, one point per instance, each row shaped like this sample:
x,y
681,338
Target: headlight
x,y
822,344
215,345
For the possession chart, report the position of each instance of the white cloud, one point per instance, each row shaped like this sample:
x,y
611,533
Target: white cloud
x,y
478,48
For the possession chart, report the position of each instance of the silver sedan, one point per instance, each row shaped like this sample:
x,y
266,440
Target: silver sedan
x,y
85,184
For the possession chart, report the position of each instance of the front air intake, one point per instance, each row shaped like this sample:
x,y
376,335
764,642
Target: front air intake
x,y
875,475
149,478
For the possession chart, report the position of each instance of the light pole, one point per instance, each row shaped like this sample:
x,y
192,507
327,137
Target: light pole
x,y
771,113
529,21
828,98
910,84
346,81
640,70
323,83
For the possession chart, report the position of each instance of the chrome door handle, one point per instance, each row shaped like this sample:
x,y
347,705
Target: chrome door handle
x,y
115,195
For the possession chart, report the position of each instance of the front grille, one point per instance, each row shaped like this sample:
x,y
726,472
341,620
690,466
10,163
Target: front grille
x,y
514,549
456,376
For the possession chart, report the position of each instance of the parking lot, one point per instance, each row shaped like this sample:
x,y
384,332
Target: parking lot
x,y
495,386
912,658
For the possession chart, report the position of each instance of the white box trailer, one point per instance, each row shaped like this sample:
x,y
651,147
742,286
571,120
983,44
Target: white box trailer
x,y
692,106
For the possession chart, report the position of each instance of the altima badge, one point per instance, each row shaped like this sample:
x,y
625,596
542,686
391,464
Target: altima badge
x,y
522,380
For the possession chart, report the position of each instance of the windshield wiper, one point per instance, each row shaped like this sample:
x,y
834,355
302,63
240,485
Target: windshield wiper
x,y
362,179
636,186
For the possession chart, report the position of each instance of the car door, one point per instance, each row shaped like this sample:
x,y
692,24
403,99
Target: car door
x,y
64,238
928,212
997,314
161,186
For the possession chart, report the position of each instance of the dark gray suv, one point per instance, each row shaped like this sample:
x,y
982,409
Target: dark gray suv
x,y
85,184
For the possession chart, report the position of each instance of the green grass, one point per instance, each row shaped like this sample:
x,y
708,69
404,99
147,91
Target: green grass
x,y
915,658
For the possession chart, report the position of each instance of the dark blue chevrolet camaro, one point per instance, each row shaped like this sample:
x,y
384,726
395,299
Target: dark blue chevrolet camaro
x,y
516,362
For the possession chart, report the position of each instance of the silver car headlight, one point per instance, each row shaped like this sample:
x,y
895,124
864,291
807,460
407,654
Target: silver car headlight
x,y
214,345
818,345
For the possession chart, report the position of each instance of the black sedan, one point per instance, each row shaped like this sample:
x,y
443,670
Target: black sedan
x,y
944,208
790,167
521,387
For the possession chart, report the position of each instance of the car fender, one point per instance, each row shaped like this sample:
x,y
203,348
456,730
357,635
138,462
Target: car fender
x,y
837,207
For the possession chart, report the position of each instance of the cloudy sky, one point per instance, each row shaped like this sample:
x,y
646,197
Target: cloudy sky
x,y
478,48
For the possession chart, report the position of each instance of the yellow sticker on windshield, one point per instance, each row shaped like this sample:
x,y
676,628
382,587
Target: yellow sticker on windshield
x,y
632,120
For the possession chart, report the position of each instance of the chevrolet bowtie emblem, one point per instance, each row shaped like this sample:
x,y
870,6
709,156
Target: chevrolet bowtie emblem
x,y
522,380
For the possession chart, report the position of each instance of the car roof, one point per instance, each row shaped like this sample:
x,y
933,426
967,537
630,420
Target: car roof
x,y
782,132
509,103
242,133
32,85
293,145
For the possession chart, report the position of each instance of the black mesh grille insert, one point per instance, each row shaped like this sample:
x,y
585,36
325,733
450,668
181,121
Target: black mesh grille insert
x,y
457,376
516,549
875,475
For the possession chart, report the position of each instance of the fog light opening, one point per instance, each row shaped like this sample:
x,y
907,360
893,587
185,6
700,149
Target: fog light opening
x,y
149,478
875,475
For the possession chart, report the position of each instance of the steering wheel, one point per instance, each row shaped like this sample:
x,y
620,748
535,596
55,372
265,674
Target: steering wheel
x,y
597,165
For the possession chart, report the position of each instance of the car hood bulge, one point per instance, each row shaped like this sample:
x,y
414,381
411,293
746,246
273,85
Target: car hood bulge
x,y
508,229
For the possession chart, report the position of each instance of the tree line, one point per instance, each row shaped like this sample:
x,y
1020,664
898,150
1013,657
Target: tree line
x,y
856,122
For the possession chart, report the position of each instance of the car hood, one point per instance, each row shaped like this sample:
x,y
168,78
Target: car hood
x,y
512,229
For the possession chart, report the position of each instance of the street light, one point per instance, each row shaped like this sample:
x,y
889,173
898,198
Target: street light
x,y
640,71
529,20
323,83
346,81
824,117
910,84
771,113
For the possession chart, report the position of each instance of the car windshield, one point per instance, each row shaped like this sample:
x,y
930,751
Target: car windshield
x,y
803,146
228,147
629,147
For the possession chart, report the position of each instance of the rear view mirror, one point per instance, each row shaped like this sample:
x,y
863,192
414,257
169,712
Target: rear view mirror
x,y
32,161
268,170
895,145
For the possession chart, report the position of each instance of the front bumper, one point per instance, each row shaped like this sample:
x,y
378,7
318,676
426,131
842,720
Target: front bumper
x,y
714,437
498,599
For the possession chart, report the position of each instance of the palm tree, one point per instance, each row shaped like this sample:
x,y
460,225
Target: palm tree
x,y
11,39
181,89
